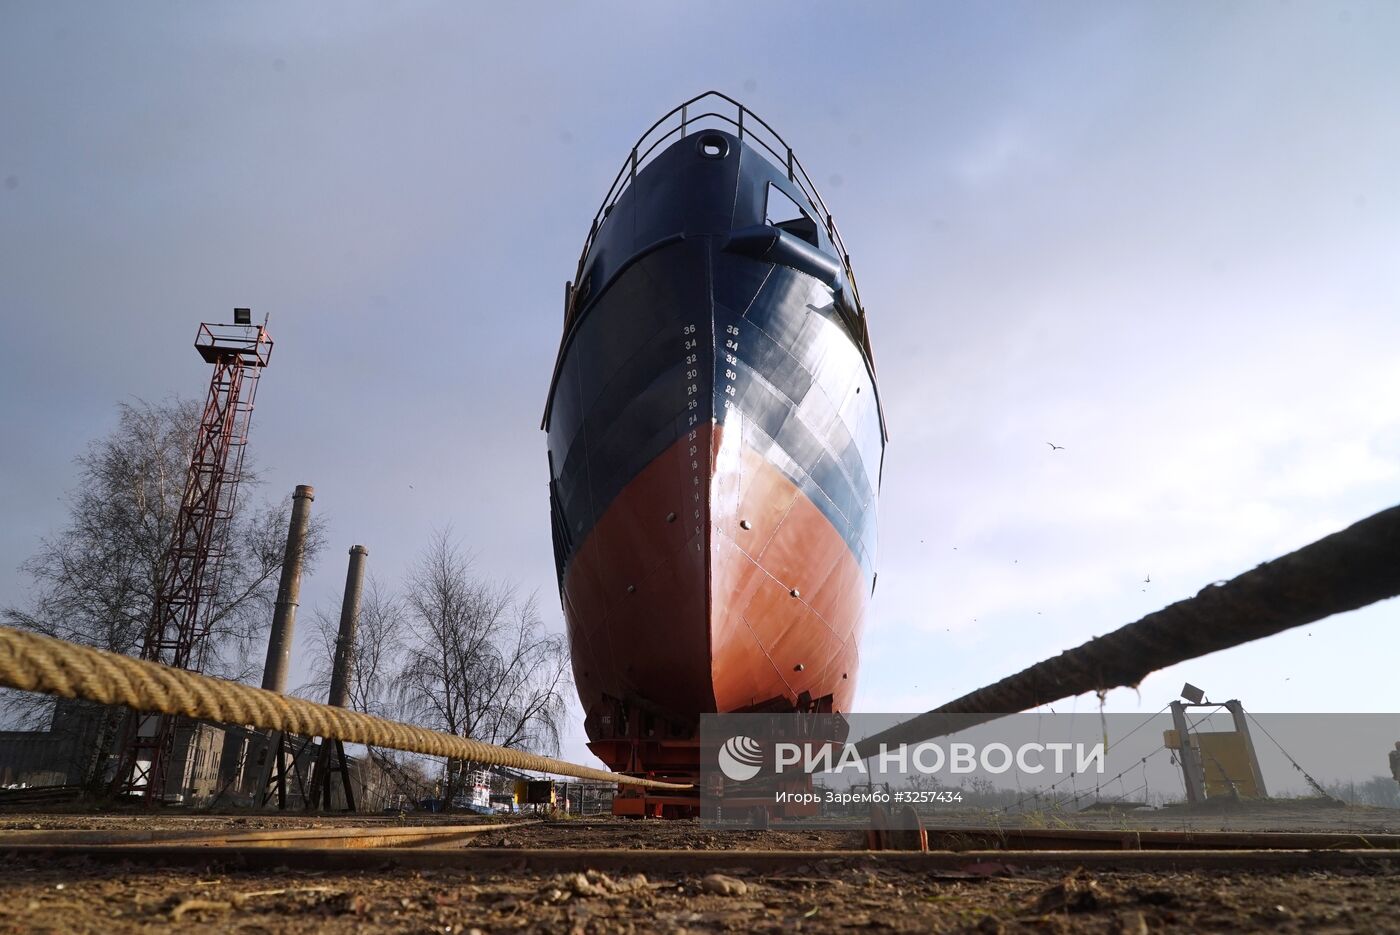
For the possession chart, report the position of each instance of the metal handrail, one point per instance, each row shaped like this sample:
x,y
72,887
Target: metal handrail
x,y
786,160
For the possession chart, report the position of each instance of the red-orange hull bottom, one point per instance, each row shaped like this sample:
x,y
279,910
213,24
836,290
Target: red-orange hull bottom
x,y
710,584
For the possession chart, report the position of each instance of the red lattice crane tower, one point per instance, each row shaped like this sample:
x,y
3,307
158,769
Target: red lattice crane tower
x,y
180,619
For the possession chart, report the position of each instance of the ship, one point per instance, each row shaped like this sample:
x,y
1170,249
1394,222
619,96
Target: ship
x,y
715,447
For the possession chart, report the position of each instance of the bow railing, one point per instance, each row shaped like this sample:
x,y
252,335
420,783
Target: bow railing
x,y
749,127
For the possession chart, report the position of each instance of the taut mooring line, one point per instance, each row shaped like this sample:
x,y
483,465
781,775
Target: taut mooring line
x,y
1349,569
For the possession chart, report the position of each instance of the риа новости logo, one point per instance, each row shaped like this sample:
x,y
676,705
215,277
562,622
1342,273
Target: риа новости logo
x,y
740,758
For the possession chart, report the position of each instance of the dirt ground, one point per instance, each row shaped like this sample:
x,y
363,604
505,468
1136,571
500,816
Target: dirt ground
x,y
78,897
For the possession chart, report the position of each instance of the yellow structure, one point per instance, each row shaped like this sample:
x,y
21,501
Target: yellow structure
x,y
534,792
1228,768
1215,763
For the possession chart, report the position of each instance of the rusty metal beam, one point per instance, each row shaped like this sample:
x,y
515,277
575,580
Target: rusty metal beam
x,y
939,839
277,838
561,860
1060,839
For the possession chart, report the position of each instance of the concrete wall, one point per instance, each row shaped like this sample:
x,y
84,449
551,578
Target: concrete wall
x,y
35,758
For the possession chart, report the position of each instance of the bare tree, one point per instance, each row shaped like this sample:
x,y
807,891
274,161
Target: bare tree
x,y
97,579
374,657
478,662
374,662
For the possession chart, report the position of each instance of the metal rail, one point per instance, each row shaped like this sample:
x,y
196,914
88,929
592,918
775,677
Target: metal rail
x,y
953,865
743,121
1066,839
939,839
339,837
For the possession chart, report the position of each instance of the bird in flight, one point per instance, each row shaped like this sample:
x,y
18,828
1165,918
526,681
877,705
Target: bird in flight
x,y
1055,447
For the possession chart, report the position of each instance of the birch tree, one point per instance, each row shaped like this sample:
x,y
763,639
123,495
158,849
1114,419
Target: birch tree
x,y
478,661
96,581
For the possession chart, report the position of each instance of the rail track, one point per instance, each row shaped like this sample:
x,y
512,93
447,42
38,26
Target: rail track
x,y
957,852
612,878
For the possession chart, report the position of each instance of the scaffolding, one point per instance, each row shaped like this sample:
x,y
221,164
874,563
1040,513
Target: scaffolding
x,y
182,612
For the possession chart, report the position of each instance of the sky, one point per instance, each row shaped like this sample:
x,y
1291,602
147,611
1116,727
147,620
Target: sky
x,y
1162,236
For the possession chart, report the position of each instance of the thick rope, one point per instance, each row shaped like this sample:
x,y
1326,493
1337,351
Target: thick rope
x,y
1349,569
41,664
